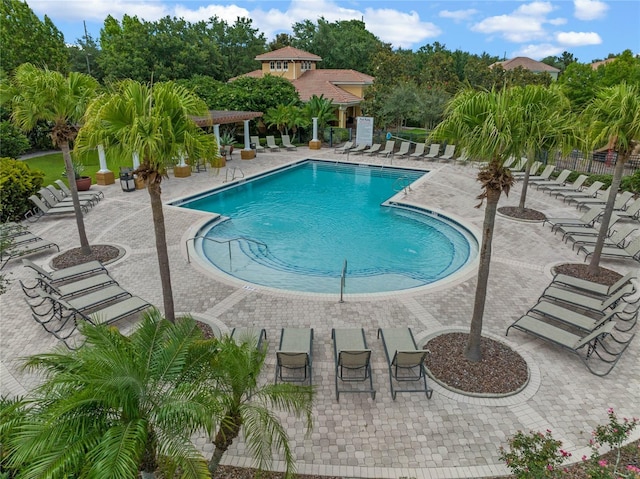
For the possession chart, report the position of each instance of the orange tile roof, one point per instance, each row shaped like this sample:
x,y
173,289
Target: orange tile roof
x,y
596,65
327,82
527,64
288,53
223,117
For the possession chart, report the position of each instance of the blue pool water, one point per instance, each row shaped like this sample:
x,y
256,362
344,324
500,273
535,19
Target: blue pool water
x,y
294,229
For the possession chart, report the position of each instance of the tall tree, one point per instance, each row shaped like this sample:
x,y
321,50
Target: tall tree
x,y
249,407
35,94
27,39
154,122
624,69
321,108
117,405
579,84
84,56
613,119
491,126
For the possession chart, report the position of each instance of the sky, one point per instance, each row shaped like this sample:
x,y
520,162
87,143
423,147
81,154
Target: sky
x,y
589,29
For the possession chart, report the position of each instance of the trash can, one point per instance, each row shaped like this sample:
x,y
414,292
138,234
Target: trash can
x,y
127,182
252,146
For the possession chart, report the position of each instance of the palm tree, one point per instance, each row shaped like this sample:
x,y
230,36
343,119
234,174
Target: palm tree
x,y
154,122
613,119
249,407
491,126
321,108
36,94
117,405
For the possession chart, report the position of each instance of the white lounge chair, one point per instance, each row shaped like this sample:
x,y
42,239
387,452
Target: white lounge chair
x,y
271,143
432,154
344,148
419,152
256,141
373,150
389,146
286,142
404,149
448,153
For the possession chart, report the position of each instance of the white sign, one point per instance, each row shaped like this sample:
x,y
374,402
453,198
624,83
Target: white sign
x,y
364,133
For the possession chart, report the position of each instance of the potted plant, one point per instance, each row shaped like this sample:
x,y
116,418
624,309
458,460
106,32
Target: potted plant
x,y
83,183
227,139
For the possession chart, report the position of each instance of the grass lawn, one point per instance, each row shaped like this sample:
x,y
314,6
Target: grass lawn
x,y
53,166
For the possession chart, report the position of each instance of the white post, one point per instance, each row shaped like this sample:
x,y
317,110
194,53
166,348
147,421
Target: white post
x,y
315,129
136,160
181,155
216,132
247,141
103,160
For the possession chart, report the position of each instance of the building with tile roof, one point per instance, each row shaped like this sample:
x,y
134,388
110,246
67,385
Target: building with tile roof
x,y
528,64
344,87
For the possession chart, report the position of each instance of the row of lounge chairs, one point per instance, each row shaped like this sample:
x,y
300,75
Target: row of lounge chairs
x,y
285,142
589,319
352,360
57,201
17,241
404,150
60,299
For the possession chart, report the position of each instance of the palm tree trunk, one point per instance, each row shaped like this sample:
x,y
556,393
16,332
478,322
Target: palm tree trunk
x,y
525,187
229,430
84,242
594,265
161,249
472,350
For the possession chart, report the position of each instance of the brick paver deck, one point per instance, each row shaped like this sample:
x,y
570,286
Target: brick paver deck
x,y
445,437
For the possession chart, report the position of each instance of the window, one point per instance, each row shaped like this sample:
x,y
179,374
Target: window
x,y
272,66
286,66
278,65
306,65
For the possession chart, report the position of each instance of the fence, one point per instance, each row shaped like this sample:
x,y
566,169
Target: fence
x,y
600,163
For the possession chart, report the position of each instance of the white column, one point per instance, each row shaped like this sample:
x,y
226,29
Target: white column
x,y
216,132
136,160
182,157
247,141
315,129
103,160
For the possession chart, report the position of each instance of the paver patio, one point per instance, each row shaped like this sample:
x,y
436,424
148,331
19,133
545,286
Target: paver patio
x,y
448,436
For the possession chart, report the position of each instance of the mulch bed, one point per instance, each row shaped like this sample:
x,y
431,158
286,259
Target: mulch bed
x,y
501,370
103,253
522,213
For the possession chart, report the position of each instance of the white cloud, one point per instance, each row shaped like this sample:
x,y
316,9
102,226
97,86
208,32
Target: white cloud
x,y
539,51
524,24
590,9
97,10
458,15
578,39
228,13
399,28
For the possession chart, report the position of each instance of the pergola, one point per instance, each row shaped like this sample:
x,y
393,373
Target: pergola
x,y
216,118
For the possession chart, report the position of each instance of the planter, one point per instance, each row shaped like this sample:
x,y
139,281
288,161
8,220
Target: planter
x,y
83,183
219,162
181,171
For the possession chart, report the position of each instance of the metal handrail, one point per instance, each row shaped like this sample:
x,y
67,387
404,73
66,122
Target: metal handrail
x,y
233,176
343,280
228,241
405,184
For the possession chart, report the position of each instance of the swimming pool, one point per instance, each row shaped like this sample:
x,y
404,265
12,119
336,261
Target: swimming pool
x,y
295,228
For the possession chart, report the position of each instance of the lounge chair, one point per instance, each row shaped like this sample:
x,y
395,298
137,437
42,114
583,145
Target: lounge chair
x,y
631,251
448,153
587,219
344,148
19,236
256,141
418,152
590,287
375,148
463,159
41,209
570,317
616,238
358,150
61,196
405,146
533,169
295,355
618,205
84,302
253,336
575,342
271,143
434,150
405,360
97,195
584,301
70,289
519,165
575,186
17,250
352,360
590,192
67,274
631,213
545,175
582,230
52,200
389,146
562,177
286,142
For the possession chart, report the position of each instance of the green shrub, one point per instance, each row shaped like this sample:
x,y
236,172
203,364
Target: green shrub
x,y
631,182
12,142
606,179
17,183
